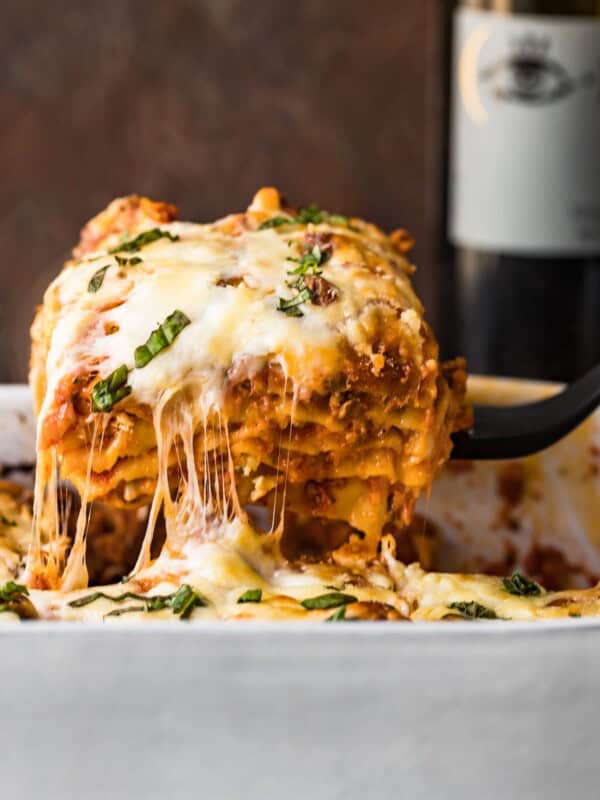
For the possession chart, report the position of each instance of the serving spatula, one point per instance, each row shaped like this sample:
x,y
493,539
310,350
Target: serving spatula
x,y
506,432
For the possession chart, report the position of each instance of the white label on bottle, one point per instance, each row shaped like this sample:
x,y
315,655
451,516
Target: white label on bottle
x,y
525,152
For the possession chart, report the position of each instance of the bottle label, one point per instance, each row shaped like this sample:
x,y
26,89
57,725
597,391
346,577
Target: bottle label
x,y
525,147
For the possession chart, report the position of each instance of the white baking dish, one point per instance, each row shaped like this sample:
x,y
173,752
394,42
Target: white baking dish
x,y
232,710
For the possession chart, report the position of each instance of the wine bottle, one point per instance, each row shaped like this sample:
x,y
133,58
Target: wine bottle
x,y
523,197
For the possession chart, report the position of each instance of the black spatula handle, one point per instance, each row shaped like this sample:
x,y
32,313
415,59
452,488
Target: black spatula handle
x,y
506,432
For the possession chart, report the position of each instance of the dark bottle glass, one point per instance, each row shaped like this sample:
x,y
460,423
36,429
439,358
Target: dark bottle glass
x,y
522,254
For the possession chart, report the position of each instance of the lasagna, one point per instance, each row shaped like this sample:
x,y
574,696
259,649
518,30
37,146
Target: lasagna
x,y
270,374
236,421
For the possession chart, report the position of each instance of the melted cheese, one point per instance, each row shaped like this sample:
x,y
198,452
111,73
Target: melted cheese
x,y
228,322
239,559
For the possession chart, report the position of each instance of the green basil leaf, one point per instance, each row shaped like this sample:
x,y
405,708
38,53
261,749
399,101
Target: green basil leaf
x,y
97,279
122,261
11,591
185,600
143,239
330,600
181,602
251,596
118,612
522,586
311,214
291,312
108,392
338,616
161,338
80,602
473,610
275,222
310,262
290,307
14,598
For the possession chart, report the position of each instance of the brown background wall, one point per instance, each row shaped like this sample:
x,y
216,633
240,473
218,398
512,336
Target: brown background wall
x,y
201,102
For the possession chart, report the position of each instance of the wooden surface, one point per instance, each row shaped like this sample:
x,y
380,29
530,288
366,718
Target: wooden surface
x,y
200,102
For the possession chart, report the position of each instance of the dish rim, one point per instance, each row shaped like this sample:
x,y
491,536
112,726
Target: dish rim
x,y
234,628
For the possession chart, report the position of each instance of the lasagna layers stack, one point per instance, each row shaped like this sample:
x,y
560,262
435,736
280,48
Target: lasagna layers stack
x,y
276,358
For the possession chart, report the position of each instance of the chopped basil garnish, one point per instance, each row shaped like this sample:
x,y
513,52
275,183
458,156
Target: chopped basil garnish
x,y
97,279
118,612
160,338
185,600
14,599
276,222
290,307
338,219
147,237
8,522
251,596
12,591
310,262
522,586
111,390
331,600
473,610
291,312
338,616
91,598
182,602
311,214
122,261
308,265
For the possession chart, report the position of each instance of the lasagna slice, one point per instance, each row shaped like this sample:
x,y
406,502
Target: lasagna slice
x,y
274,363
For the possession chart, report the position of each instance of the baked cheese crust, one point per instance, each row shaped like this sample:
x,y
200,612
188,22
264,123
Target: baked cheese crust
x,y
240,577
